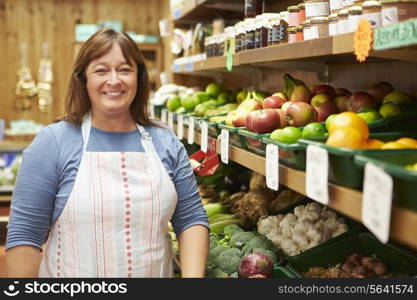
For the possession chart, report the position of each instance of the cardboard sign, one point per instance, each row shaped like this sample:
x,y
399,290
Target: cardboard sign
x,y
272,167
398,35
317,174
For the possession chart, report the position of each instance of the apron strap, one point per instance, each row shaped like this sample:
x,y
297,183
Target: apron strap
x,y
85,130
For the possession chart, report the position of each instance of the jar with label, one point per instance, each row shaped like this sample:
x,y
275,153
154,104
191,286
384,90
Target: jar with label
x,y
257,31
254,8
207,46
371,10
302,7
221,43
299,34
230,39
250,34
347,3
335,6
394,11
238,37
354,16
319,27
282,33
292,35
342,23
273,25
333,19
294,15
306,29
264,30
317,8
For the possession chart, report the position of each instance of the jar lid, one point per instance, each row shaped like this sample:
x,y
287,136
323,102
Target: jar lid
x,y
333,17
371,3
302,5
292,29
343,12
355,9
315,20
293,8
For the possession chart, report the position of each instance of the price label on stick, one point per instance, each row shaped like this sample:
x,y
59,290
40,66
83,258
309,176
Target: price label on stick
x,y
190,130
180,126
171,120
377,201
164,116
224,146
204,136
317,174
272,167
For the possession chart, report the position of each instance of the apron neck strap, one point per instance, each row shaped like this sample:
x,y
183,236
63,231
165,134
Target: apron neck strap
x,y
146,138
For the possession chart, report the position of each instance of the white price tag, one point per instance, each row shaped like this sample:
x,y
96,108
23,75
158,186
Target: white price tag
x,y
204,136
164,116
152,111
171,120
317,174
190,130
180,126
224,146
377,201
271,167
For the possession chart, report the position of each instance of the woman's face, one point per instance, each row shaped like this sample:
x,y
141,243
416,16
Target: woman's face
x,y
111,84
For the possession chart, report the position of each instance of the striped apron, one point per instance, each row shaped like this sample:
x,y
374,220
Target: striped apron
x,y
115,222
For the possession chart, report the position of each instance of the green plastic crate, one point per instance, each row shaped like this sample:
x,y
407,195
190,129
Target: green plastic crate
x,y
396,258
290,155
405,181
234,138
253,141
342,169
158,110
403,121
282,272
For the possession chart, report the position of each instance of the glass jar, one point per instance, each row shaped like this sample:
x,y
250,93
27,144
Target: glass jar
x,y
335,6
371,10
254,8
257,31
306,30
250,34
221,42
333,19
273,25
238,37
342,23
302,8
264,30
207,46
292,35
299,34
319,27
230,39
354,16
317,8
294,16
282,33
394,11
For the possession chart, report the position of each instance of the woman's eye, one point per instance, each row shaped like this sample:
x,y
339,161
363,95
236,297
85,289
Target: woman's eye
x,y
100,71
125,70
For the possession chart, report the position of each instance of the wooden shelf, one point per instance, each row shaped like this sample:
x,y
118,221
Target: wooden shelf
x,y
7,146
345,200
194,11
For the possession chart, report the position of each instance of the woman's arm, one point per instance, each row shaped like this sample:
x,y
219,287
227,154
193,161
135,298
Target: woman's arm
x,y
193,244
22,261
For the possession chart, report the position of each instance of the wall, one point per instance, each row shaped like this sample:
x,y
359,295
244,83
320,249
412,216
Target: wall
x,y
53,21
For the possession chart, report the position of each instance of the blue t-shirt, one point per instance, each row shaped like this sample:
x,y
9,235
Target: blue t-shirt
x,y
50,165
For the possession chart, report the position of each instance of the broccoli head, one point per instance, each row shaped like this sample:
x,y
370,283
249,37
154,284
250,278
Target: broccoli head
x,y
232,229
241,238
228,252
257,242
215,252
216,273
229,264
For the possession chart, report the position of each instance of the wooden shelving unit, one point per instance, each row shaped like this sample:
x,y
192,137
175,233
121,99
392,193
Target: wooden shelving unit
x,y
345,200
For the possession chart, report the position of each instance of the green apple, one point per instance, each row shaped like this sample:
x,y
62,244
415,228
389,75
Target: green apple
x,y
174,103
201,96
214,89
189,102
312,130
287,135
328,120
370,116
398,97
390,109
224,98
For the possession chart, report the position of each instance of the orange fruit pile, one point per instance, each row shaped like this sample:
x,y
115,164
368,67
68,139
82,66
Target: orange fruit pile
x,y
348,130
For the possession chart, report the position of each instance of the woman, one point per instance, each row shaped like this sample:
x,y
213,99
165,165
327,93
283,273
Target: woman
x,y
105,181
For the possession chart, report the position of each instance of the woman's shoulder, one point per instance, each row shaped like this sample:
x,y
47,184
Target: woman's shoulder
x,y
161,132
61,132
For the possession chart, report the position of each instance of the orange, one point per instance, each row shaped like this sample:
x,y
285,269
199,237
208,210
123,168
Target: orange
x,y
373,144
346,137
409,142
394,145
351,120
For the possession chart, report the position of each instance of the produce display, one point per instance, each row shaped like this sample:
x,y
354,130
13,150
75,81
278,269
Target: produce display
x,y
305,227
355,266
412,167
8,172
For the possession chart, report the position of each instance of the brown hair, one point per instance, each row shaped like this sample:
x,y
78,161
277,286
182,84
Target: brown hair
x,y
77,102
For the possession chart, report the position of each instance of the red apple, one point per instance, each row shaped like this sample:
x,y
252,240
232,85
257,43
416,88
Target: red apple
x,y
263,121
342,92
282,117
326,109
301,93
380,90
281,95
273,102
319,99
243,110
323,89
300,114
341,102
360,100
286,105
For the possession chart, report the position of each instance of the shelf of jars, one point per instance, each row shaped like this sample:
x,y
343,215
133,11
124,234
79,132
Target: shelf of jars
x,y
345,200
11,146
